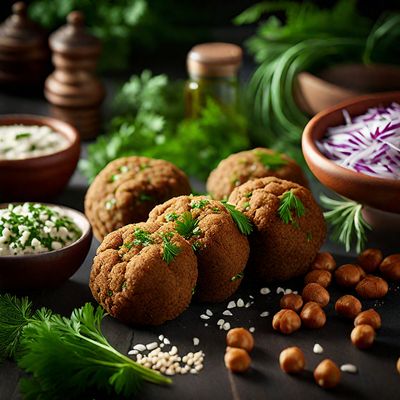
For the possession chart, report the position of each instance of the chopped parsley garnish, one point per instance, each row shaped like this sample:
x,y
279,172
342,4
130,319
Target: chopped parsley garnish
x,y
248,195
289,204
109,204
246,205
309,236
237,277
193,290
123,169
143,197
115,177
216,210
170,250
109,293
270,161
241,221
171,217
22,135
187,226
199,203
196,245
124,286
144,166
142,238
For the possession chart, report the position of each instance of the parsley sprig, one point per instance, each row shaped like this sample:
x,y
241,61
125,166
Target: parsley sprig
x,y
187,226
290,204
241,221
170,250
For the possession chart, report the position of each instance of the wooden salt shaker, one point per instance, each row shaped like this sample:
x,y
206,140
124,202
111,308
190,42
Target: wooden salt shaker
x,y
73,89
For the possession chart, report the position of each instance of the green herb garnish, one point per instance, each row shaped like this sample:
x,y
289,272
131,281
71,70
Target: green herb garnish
x,y
23,135
347,222
142,238
240,275
199,203
50,348
196,246
109,204
271,161
248,195
143,197
289,204
109,293
115,177
187,226
309,236
171,217
193,290
170,250
241,221
246,205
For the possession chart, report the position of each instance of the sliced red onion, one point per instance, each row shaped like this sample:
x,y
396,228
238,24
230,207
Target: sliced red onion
x,y
368,143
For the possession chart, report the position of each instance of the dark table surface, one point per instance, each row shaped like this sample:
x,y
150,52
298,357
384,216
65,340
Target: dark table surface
x,y
376,377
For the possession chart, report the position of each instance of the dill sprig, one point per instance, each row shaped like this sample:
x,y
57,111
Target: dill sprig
x,y
241,221
271,161
289,204
52,348
170,250
187,226
347,222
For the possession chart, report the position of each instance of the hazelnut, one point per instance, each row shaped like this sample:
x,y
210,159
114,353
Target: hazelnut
x,y
291,301
372,287
348,306
286,321
390,267
398,365
363,336
327,374
240,337
312,315
317,293
320,276
348,275
237,360
369,317
325,261
292,360
370,259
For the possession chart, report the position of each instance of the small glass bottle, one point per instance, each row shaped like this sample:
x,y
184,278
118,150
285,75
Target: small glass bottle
x,y
213,70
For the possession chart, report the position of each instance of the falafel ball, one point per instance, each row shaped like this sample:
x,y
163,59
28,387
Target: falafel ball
x,y
252,164
289,227
144,274
222,251
128,188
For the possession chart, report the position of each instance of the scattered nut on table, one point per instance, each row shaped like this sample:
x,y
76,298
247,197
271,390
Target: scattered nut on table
x,y
363,336
292,360
327,374
390,267
237,360
348,306
369,317
348,275
370,259
312,315
286,321
372,287
241,338
320,276
324,260
317,293
291,301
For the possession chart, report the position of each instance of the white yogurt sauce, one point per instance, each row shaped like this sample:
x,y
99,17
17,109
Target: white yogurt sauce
x,y
23,141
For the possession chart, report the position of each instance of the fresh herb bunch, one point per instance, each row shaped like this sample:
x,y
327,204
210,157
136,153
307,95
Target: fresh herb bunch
x,y
50,347
347,222
290,204
241,221
150,123
310,39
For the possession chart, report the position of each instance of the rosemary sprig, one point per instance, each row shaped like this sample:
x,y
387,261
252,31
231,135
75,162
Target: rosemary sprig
x,y
271,161
170,250
241,221
347,222
187,226
289,204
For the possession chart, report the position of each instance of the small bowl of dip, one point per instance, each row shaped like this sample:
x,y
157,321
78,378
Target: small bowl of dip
x,y
41,245
38,156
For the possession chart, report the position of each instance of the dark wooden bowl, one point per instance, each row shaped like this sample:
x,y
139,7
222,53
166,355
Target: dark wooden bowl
x,y
39,178
380,193
49,269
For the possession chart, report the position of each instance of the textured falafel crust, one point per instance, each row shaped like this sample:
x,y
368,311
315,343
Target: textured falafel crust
x,y
133,282
247,165
128,188
279,251
222,251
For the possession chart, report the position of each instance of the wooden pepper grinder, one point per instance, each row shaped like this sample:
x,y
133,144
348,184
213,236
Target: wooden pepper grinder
x,y
73,89
24,53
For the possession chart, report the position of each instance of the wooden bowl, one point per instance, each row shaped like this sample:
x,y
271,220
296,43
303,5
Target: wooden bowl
x,y
39,178
380,193
315,93
48,269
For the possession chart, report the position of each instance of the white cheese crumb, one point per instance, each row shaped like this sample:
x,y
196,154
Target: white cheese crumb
x,y
209,313
231,304
196,341
227,312
352,369
318,349
252,329
264,314
265,290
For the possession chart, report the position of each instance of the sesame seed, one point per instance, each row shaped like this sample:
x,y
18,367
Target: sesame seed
x,y
251,297
264,314
265,290
252,329
193,371
204,316
288,291
196,341
295,292
132,352
166,341
151,346
226,326
240,303
206,324
352,369
280,290
247,305
173,351
198,367
139,347
162,345
227,312
231,304
318,349
220,322
161,338
209,313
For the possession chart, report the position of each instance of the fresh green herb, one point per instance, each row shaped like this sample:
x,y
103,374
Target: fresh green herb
x,y
123,169
241,221
246,205
143,197
238,276
23,135
171,217
187,226
124,286
170,250
50,347
271,161
110,204
115,177
199,203
289,204
347,222
196,246
144,166
193,290
109,293
309,236
216,210
142,238
248,195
